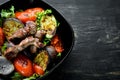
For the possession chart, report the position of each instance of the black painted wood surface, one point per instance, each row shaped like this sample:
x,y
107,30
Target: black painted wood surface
x,y
96,53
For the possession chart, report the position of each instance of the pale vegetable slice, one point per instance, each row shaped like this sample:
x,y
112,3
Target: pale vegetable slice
x,y
6,67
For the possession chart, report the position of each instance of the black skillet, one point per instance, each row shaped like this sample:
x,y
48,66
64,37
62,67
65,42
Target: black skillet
x,y
65,31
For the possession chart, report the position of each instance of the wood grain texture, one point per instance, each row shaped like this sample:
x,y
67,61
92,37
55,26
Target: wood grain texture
x,y
96,54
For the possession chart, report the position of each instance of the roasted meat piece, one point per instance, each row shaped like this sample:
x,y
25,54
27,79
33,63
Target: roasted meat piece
x,y
39,34
12,52
29,29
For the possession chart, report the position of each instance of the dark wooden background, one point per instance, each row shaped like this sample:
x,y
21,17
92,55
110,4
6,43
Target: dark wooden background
x,y
96,53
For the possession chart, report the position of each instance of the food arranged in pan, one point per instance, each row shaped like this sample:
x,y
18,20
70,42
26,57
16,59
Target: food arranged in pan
x,y
29,43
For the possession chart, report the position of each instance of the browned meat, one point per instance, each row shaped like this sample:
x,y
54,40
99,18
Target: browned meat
x,y
33,49
39,34
12,52
30,29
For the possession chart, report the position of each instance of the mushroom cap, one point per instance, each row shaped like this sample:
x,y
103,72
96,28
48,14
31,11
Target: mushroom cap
x,y
6,67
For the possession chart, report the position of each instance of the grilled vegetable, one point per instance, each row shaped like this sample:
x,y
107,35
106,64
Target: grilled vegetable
x,y
6,67
28,15
42,59
29,29
11,25
23,65
47,22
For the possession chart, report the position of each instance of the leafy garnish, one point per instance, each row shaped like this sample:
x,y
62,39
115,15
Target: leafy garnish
x,y
17,76
46,40
46,72
59,55
8,13
4,47
33,77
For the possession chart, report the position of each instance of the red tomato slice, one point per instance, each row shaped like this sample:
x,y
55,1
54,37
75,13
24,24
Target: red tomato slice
x,y
23,65
56,42
28,15
2,37
37,69
34,10
25,16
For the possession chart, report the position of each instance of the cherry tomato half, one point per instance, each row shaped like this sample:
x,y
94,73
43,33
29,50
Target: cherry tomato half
x,y
2,37
28,15
34,10
56,42
23,65
37,69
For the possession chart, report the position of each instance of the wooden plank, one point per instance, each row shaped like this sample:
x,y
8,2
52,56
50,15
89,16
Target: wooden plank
x,y
96,53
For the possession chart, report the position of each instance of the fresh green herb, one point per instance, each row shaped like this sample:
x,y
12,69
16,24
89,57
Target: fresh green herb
x,y
4,47
33,77
8,13
17,76
59,55
46,72
46,40
40,15
58,23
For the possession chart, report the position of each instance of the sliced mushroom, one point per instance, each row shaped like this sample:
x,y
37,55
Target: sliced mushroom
x,y
6,67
